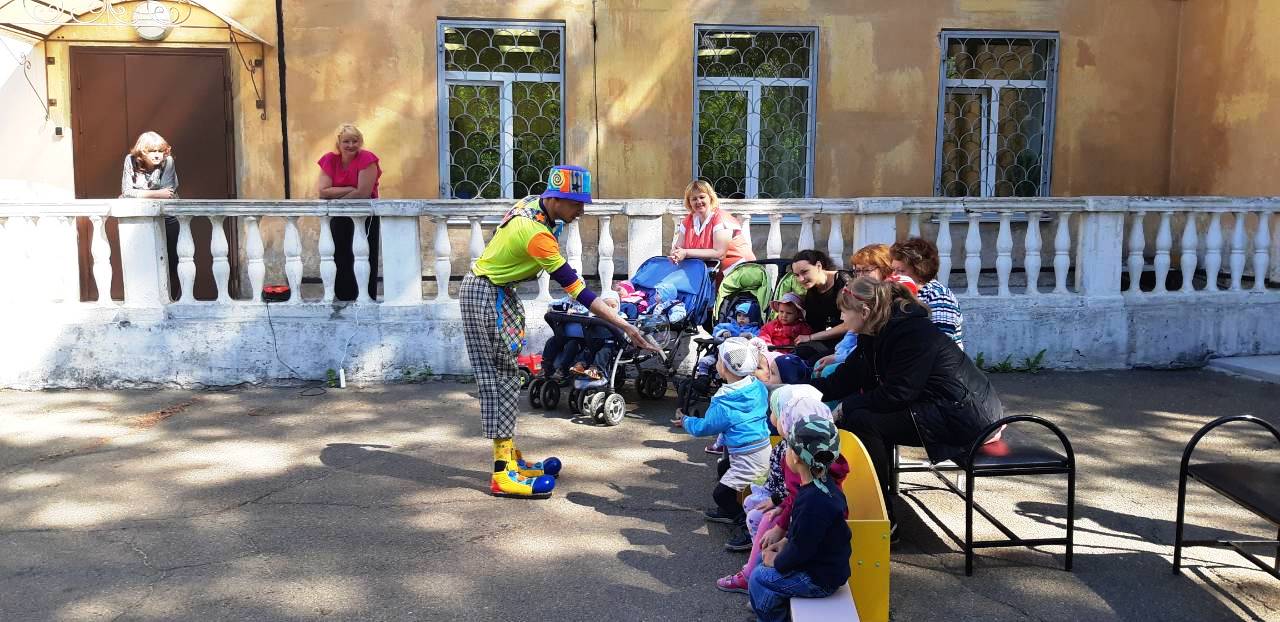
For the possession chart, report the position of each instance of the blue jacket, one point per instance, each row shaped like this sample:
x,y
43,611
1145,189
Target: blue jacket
x,y
735,330
739,411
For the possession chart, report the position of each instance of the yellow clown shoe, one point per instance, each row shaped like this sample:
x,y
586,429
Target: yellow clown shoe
x,y
547,466
509,483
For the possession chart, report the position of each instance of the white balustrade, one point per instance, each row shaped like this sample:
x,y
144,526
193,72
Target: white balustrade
x,y
835,240
1004,255
1237,252
1261,251
972,255
360,248
604,253
773,245
293,257
1031,258
806,232
254,252
1137,245
218,248
1061,253
476,244
328,267
573,246
1164,241
1213,252
101,249
544,287
186,261
1188,246
944,248
913,229
746,229
444,259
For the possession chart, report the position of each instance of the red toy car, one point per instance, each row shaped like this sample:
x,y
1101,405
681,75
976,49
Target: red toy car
x,y
530,367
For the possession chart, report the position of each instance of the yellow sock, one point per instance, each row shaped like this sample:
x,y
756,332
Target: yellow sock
x,y
504,452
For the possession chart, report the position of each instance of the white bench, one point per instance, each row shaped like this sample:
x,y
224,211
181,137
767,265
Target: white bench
x,y
837,607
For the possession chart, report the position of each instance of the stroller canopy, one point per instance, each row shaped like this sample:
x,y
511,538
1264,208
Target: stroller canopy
x,y
691,278
745,277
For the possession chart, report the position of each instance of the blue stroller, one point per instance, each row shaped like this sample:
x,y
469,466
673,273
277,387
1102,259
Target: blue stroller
x,y
600,398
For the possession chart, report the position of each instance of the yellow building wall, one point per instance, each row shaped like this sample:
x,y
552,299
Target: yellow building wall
x,y
1226,135
374,63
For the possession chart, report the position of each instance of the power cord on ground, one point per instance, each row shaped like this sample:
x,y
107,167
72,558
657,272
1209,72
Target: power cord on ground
x,y
313,391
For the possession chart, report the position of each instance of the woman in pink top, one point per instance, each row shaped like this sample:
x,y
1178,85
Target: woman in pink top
x,y
709,232
350,172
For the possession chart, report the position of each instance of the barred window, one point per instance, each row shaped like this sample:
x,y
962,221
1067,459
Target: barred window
x,y
995,114
753,110
501,90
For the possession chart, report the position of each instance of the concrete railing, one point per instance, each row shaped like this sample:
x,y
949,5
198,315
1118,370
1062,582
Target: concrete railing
x,y
1028,272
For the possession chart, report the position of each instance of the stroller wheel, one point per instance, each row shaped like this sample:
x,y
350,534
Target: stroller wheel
x,y
612,409
550,395
591,404
535,392
658,388
651,385
525,377
575,401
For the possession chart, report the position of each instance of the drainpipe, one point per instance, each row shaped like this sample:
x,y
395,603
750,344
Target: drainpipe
x,y
284,102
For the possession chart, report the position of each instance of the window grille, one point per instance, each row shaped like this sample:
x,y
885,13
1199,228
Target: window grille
x,y
501,90
753,122
995,114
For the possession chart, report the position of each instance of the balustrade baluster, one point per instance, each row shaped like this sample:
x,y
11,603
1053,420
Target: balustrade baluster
x,y
1004,255
573,246
745,221
1164,241
913,230
186,261
806,231
544,287
1188,246
835,240
219,248
293,257
360,248
1261,252
944,248
1062,253
1237,252
476,245
1137,246
444,259
254,252
605,253
1031,257
101,249
773,245
328,267
1213,252
972,255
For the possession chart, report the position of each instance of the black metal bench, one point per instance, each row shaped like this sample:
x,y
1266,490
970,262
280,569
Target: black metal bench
x,y
1254,487
1013,455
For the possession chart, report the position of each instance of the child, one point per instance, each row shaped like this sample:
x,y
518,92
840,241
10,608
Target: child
x,y
788,404
789,322
599,352
634,302
813,560
738,411
741,326
666,308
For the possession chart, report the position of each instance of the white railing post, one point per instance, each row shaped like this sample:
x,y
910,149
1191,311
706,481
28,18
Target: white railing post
x,y
402,271
293,258
835,240
644,231
1188,246
101,249
1102,246
1137,246
745,221
360,249
1213,252
913,229
573,246
444,257
328,267
773,245
875,221
1261,251
186,261
1061,253
254,251
972,255
218,247
1031,256
1237,252
604,253
806,231
1004,255
544,287
944,248
142,261
476,243
1164,241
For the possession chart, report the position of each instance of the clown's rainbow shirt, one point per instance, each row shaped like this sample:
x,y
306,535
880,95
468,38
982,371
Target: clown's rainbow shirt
x,y
525,244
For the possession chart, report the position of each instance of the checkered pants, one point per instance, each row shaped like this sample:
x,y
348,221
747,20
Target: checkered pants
x,y
493,349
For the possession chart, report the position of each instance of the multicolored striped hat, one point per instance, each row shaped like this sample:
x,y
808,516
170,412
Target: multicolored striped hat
x,y
569,182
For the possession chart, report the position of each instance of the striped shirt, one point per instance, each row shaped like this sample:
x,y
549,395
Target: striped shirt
x,y
944,310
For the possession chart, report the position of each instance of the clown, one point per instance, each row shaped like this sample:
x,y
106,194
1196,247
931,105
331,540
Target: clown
x,y
493,318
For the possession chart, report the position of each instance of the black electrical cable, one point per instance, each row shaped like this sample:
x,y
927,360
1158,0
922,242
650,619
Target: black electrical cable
x,y
307,392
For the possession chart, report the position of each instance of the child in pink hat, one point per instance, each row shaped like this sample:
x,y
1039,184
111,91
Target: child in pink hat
x,y
787,323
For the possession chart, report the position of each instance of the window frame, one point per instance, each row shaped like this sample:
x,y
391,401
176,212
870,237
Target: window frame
x,y
505,82
991,113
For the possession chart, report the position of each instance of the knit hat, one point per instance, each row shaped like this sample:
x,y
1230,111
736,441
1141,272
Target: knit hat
x,y
738,356
743,308
788,298
665,291
793,401
610,296
569,182
816,441
627,291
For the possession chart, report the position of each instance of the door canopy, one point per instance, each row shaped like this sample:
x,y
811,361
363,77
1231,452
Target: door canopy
x,y
152,19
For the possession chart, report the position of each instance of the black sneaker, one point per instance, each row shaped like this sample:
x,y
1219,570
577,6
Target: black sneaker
x,y
739,540
714,515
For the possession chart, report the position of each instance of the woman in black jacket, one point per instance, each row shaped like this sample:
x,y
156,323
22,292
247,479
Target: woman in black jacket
x,y
906,383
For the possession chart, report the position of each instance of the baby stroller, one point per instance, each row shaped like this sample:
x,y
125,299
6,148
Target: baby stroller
x,y
601,399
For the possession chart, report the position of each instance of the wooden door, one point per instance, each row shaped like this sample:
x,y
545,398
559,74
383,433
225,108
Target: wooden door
x,y
182,94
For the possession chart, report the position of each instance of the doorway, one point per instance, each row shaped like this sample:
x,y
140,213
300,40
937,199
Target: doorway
x,y
184,94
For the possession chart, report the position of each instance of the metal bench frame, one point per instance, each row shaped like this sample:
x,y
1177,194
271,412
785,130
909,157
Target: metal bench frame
x,y
972,473
1184,473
